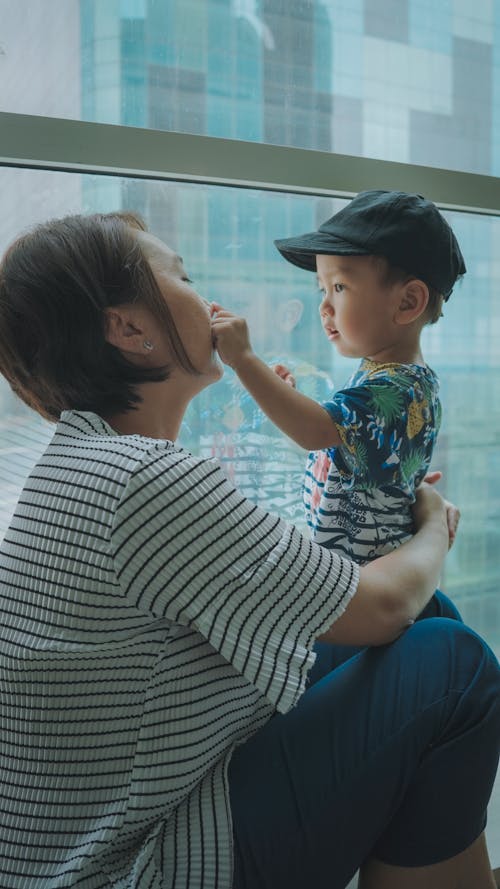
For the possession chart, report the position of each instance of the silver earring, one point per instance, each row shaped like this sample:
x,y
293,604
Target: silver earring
x,y
148,345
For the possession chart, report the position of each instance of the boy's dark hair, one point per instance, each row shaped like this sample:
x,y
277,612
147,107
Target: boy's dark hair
x,y
393,274
55,283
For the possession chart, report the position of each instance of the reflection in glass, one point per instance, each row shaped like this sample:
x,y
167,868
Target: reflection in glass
x,y
226,238
414,82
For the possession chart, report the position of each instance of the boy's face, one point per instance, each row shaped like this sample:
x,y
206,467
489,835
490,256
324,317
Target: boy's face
x,y
357,309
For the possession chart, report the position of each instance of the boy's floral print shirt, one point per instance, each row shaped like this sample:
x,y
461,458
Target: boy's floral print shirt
x,y
358,496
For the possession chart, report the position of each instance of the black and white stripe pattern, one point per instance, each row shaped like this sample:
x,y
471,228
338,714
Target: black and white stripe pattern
x,y
359,525
151,619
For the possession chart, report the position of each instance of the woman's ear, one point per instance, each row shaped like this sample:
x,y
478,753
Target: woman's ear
x,y
414,297
123,328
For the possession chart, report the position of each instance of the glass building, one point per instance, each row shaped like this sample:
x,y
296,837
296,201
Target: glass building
x,y
412,84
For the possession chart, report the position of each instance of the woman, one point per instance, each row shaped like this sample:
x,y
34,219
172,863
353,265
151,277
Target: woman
x,y
153,620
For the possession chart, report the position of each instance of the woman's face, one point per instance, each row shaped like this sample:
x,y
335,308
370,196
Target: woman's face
x,y
190,312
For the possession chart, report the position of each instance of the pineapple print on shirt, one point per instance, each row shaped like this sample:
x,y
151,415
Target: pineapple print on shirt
x,y
358,496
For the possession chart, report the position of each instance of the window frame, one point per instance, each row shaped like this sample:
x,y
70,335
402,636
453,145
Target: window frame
x,y
65,145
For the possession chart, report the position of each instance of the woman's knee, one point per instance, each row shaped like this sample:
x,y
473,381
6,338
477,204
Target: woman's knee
x,y
455,649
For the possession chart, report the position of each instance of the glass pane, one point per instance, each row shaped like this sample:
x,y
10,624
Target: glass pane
x,y
413,81
226,237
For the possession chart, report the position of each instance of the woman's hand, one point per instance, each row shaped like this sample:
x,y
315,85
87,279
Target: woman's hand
x,y
230,336
452,512
394,589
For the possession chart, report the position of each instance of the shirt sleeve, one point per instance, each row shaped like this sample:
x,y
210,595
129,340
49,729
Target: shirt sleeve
x,y
372,423
189,547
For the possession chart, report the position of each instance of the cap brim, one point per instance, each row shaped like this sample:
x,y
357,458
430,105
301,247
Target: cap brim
x,y
302,251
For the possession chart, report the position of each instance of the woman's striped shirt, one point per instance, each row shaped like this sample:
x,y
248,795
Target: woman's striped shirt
x,y
152,619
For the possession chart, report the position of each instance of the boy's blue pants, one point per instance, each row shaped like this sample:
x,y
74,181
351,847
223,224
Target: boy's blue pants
x,y
391,752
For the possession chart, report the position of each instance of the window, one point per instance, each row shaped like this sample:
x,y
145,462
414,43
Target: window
x,y
414,81
226,237
399,88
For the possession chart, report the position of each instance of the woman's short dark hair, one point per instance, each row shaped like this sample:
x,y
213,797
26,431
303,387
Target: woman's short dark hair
x,y
55,283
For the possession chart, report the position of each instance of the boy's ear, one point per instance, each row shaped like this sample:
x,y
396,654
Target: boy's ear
x,y
414,297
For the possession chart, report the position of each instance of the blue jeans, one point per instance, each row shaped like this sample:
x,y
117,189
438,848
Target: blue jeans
x,y
391,753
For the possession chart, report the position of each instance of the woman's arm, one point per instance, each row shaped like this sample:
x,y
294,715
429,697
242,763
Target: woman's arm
x,y
395,588
188,547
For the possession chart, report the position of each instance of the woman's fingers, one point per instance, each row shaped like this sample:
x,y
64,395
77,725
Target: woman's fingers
x,y
452,511
432,477
452,518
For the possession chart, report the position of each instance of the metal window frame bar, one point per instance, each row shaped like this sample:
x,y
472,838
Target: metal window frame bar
x,y
61,144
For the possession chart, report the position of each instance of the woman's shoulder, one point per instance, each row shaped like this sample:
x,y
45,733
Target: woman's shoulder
x,y
84,430
85,443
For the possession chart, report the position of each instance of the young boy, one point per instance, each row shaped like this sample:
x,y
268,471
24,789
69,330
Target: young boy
x,y
385,263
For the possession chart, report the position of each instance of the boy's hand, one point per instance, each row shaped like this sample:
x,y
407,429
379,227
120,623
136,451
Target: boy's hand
x,y
230,336
285,374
